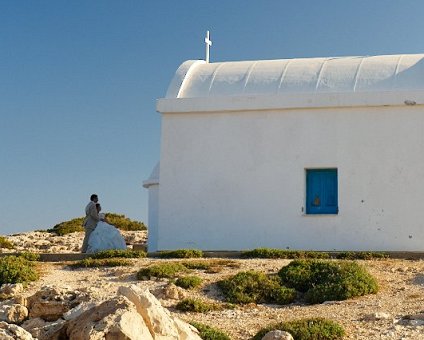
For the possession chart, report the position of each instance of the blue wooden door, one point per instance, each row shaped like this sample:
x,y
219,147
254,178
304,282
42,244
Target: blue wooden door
x,y
321,191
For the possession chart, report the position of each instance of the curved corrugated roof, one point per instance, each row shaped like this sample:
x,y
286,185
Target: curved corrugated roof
x,y
197,79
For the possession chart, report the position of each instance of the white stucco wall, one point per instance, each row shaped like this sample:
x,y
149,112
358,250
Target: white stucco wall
x,y
152,241
152,185
236,180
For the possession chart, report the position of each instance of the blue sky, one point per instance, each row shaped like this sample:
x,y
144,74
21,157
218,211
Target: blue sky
x,y
79,82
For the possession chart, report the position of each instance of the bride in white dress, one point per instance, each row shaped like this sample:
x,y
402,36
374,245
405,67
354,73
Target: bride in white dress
x,y
105,236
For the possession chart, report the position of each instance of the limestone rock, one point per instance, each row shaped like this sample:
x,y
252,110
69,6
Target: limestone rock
x,y
128,325
159,321
156,318
34,326
413,319
37,241
13,313
48,310
50,303
42,330
115,319
78,310
11,288
20,300
33,323
12,332
170,291
416,323
377,316
277,335
418,316
185,330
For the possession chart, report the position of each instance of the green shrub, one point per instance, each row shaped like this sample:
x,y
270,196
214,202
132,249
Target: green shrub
x,y
270,253
226,263
361,255
306,329
209,333
189,282
68,227
15,269
180,254
251,286
113,253
325,281
124,223
196,305
200,265
214,270
211,266
75,225
162,270
90,263
282,295
30,256
5,243
300,274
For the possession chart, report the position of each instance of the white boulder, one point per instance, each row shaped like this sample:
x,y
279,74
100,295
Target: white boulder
x,y
159,320
13,313
277,335
11,288
115,319
12,332
50,303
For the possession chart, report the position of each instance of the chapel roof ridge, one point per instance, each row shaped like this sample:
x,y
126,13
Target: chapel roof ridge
x,y
335,74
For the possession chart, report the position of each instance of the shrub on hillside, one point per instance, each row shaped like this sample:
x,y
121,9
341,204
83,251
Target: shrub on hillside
x,y
180,254
209,333
68,227
211,265
306,329
251,286
124,223
5,243
199,265
16,269
95,263
196,305
189,282
271,253
161,270
324,281
30,256
362,255
113,253
75,225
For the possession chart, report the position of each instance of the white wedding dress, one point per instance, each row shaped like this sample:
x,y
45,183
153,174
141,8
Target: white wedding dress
x,y
105,237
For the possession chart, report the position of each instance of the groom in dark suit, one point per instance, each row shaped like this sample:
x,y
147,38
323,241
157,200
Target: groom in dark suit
x,y
90,221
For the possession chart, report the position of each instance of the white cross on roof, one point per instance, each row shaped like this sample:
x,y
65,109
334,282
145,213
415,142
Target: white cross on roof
x,y
208,45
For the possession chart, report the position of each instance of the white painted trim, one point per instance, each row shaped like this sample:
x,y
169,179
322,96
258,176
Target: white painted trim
x,y
289,101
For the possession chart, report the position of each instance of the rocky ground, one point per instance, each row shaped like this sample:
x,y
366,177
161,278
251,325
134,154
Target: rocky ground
x,y
43,242
396,312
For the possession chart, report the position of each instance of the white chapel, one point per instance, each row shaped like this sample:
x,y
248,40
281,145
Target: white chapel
x,y
312,154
